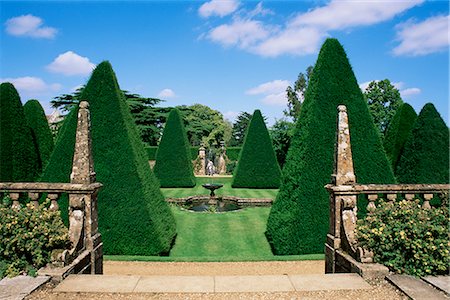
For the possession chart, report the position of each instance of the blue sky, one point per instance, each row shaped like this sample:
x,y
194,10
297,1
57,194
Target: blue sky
x,y
230,55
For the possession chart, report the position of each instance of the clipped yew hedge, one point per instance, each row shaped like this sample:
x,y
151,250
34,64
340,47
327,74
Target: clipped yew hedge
x,y
18,154
134,218
398,131
40,130
173,165
299,219
257,164
425,157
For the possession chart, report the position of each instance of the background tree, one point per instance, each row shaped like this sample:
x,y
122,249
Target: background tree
x,y
281,133
296,94
383,100
42,136
398,132
240,128
18,154
257,166
425,157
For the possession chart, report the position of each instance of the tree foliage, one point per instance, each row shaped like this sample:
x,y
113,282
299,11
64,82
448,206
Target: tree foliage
x,y
281,133
18,154
397,132
134,218
425,157
173,165
298,221
42,136
296,94
384,100
240,128
257,166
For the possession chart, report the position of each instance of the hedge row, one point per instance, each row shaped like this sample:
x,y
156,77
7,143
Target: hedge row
x,y
299,219
134,218
18,154
257,164
425,157
233,153
173,165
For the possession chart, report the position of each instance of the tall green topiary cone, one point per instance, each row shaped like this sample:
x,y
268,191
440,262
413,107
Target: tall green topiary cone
x,y
42,136
134,218
425,157
298,221
173,165
257,165
398,132
18,154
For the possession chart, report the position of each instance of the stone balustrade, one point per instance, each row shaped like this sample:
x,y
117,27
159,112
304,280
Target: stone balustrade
x,y
342,251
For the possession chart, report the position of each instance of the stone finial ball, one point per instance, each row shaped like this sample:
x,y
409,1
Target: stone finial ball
x,y
84,104
342,108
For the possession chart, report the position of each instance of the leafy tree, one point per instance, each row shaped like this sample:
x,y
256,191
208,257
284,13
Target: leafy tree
x,y
18,154
281,133
42,136
299,217
296,94
173,165
257,166
397,132
240,128
425,157
134,217
384,100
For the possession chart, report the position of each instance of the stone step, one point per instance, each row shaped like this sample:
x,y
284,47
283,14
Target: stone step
x,y
415,288
442,283
210,284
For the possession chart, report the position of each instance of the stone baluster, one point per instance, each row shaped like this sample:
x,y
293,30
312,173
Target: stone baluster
x,y
391,198
34,199
15,200
409,197
53,201
426,201
371,207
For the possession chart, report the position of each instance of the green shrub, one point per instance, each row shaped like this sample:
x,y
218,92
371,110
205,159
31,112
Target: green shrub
x,y
28,236
173,165
398,132
425,157
151,152
407,238
257,165
299,219
233,153
194,152
42,136
134,218
18,154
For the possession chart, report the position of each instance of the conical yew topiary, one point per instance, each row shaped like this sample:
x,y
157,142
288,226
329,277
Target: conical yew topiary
x,y
173,165
398,131
18,154
298,221
425,157
40,130
134,218
257,165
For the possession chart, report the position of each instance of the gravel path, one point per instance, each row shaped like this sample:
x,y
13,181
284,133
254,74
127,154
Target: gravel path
x,y
380,291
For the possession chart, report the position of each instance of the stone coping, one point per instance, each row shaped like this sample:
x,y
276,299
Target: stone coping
x,y
49,187
386,188
237,200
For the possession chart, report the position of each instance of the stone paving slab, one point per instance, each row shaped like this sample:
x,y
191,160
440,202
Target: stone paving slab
x,y
322,282
175,284
440,282
415,288
266,283
98,283
19,287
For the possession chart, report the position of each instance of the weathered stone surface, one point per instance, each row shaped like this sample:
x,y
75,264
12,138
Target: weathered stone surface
x,y
415,288
440,282
17,288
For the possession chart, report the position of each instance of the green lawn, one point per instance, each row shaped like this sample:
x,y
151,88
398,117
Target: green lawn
x,y
226,190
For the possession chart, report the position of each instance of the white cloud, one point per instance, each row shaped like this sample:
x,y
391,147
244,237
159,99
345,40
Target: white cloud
x,y
70,63
274,92
231,115
303,33
423,38
166,93
219,8
32,86
31,26
410,92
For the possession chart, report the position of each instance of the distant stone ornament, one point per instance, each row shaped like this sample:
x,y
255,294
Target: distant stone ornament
x,y
210,169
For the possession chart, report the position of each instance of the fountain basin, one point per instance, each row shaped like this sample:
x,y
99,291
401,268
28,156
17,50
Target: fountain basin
x,y
219,204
